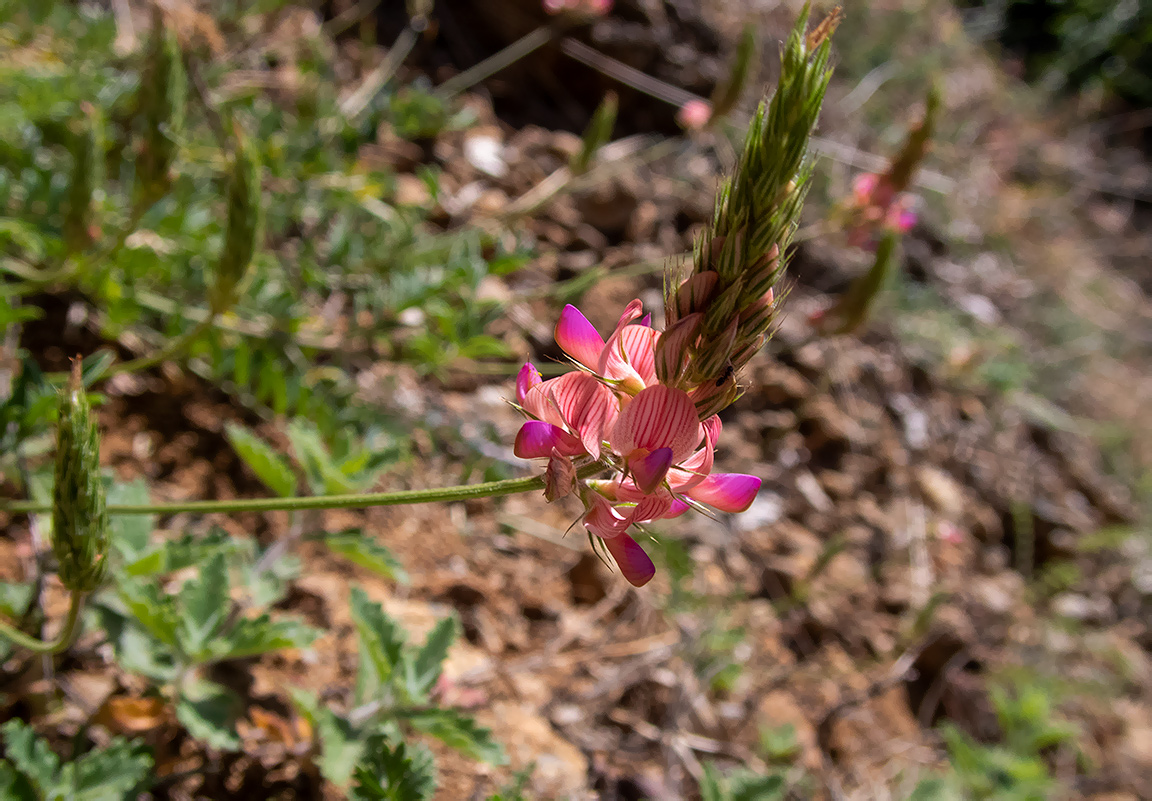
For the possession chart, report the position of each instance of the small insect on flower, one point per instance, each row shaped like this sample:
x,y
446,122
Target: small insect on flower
x,y
729,370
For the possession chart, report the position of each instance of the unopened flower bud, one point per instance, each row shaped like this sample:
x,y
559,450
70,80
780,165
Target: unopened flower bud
x,y
242,232
559,476
694,115
674,348
79,513
87,176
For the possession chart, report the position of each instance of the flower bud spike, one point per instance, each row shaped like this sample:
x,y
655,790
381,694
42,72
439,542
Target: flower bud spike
x,y
87,177
243,227
162,100
79,513
727,93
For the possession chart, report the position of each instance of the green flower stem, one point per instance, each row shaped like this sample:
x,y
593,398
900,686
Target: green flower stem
x,y
67,634
488,489
496,62
168,351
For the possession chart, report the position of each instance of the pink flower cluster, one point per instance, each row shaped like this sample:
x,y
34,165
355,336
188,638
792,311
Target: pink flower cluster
x,y
615,412
591,8
875,205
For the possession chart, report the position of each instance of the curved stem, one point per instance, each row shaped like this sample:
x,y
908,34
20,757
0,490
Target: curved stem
x,y
62,641
488,489
496,62
168,351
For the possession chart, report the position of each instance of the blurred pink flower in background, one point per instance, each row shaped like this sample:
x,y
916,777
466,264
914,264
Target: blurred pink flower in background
x,y
593,8
874,207
694,115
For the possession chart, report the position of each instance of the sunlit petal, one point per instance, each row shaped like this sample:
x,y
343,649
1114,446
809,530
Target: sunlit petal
x,y
588,407
728,492
658,417
578,338
528,377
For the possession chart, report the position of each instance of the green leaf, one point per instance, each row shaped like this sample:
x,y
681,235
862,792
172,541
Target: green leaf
x,y
208,711
204,605
153,610
367,552
341,745
268,466
14,598
402,773
172,555
114,773
312,454
136,650
423,671
14,786
30,754
458,731
381,645
746,786
130,534
254,636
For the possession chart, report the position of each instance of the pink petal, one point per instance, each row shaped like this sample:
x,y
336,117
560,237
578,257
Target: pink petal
x,y
537,438
634,563
696,291
679,506
658,417
712,428
652,507
578,338
630,357
728,492
588,407
650,470
646,320
528,377
692,470
602,518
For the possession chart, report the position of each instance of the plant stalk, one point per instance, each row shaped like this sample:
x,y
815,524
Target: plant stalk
x,y
62,641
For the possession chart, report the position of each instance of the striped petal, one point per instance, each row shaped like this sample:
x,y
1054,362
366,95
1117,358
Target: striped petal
x,y
578,338
603,519
528,377
649,471
634,563
587,407
652,507
658,417
537,438
728,492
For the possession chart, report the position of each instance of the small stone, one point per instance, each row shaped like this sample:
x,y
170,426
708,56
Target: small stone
x,y
486,154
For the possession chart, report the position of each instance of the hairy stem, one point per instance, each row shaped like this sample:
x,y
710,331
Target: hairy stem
x,y
62,641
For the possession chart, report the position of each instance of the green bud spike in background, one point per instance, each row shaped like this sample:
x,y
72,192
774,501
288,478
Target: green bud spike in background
x,y
727,93
87,177
916,146
596,135
242,233
162,99
757,210
854,306
79,513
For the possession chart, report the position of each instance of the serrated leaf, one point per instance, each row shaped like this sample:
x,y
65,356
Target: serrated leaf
x,y
204,603
751,787
154,611
136,650
172,555
365,551
268,465
424,670
460,732
310,451
112,773
381,645
208,711
341,745
14,786
30,755
254,636
130,534
403,773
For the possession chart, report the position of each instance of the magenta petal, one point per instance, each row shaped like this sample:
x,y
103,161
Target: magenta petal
x,y
679,507
646,320
634,563
728,492
528,377
649,471
536,439
578,338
